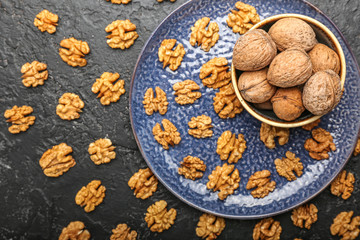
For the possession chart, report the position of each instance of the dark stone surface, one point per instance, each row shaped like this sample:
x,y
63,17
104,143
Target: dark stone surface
x,y
33,206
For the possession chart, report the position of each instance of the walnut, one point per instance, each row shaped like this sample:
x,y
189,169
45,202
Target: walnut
x,y
144,182
46,21
69,106
158,218
184,92
286,166
204,38
267,229
201,127
268,133
76,51
287,103
304,216
34,74
343,185
192,168
226,104
228,144
101,151
218,69
16,116
122,34
119,1
210,226
158,104
108,91
123,232
163,0
310,126
323,58
244,19
320,144
91,195
171,57
169,135
75,231
346,227
357,147
56,161
261,180
221,180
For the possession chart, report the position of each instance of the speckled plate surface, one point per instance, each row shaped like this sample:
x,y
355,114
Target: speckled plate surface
x,y
343,122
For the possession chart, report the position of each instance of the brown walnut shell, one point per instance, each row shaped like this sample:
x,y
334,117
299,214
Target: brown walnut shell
x,y
324,58
265,105
287,103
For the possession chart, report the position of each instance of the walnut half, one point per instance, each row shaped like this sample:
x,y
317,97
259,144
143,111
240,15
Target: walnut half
x,y
16,116
158,218
286,166
119,1
200,127
192,168
210,226
244,19
268,134
91,195
229,147
186,92
304,216
69,107
73,52
267,229
123,232
46,21
170,57
108,92
214,73
261,181
169,135
204,38
123,34
226,104
75,231
101,151
34,74
343,185
320,144
158,104
346,227
357,147
144,182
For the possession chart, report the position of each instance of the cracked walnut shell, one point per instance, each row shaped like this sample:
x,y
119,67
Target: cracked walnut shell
x,y
169,135
56,161
158,104
46,21
268,133
101,151
229,147
77,49
123,232
261,181
288,165
69,106
170,57
16,116
108,91
244,19
267,229
91,195
34,74
304,216
226,104
158,218
192,168
214,73
123,34
186,92
200,127
346,227
119,1
75,231
343,185
221,180
144,182
204,38
210,226
321,143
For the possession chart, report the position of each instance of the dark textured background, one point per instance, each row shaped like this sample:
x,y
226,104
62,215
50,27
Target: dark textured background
x,y
33,206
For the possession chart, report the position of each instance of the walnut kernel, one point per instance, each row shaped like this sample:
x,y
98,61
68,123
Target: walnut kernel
x,y
218,69
170,57
343,185
16,116
267,229
123,232
91,195
320,144
261,181
119,1
200,127
69,106
75,231
346,227
210,226
310,126
158,218
229,147
144,182
76,51
357,147
34,74
244,19
163,0
204,38
286,166
46,21
304,216
108,91
268,133
158,104
101,151
122,34
186,92
192,168
226,104
169,135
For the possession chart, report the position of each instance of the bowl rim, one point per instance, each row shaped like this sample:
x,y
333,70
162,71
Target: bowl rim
x,y
338,49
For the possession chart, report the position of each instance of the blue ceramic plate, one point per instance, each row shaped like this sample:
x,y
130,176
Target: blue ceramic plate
x,y
343,122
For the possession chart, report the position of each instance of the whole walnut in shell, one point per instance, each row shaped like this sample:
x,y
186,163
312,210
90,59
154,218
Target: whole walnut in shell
x,y
254,86
290,68
322,92
287,103
293,32
265,105
324,58
253,51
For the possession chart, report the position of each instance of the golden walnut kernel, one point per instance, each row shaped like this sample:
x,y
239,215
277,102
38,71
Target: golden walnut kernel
x,y
16,116
158,104
261,181
119,1
75,231
346,227
91,195
46,21
200,127
343,185
108,91
69,106
268,133
244,19
122,34
123,232
221,180
101,151
169,135
76,51
217,68
204,38
210,226
34,74
288,165
158,218
228,144
170,57
144,182
192,167
310,126
267,229
184,92
304,216
226,104
357,147
320,144
56,161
